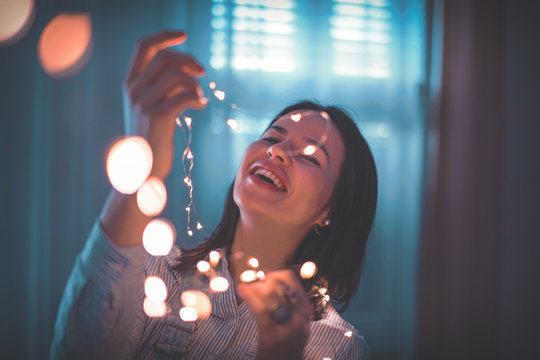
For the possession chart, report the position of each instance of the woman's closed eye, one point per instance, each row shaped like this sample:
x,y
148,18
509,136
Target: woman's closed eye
x,y
312,159
270,139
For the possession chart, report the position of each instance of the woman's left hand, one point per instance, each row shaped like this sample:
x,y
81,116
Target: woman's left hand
x,y
282,312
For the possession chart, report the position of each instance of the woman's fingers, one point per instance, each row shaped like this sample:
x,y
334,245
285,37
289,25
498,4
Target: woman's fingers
x,y
163,61
171,83
277,298
178,104
148,47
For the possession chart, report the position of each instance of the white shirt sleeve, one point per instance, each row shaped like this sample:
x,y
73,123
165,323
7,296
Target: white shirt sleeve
x,y
102,302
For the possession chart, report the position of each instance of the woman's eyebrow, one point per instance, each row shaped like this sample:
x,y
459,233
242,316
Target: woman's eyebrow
x,y
279,129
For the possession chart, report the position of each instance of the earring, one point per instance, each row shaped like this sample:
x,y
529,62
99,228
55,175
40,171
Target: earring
x,y
317,228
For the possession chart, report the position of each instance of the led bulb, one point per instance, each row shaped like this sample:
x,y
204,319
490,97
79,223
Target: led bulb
x,y
129,163
155,288
308,270
158,237
219,284
152,196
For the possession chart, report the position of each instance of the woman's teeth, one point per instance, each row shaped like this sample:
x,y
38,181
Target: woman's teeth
x,y
270,177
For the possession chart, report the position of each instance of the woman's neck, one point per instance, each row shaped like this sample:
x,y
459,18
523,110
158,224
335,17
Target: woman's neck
x,y
271,244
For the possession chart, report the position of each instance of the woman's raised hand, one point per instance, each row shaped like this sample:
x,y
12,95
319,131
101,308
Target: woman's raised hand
x,y
159,86
283,314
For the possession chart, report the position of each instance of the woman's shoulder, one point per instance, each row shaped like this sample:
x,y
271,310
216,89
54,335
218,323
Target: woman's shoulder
x,y
335,338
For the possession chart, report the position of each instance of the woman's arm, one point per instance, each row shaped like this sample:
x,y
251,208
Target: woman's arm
x,y
101,302
102,299
160,84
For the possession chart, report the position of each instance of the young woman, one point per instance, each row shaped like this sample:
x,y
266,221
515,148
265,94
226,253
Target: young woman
x,y
284,208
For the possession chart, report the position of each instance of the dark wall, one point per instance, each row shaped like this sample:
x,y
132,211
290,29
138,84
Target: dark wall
x,y
520,279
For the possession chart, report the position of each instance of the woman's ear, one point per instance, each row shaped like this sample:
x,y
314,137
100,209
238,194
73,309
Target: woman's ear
x,y
324,219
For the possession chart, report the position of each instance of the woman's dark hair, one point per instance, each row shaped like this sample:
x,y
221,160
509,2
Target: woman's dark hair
x,y
339,249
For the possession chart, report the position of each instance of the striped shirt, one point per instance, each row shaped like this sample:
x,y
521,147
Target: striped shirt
x,y
101,315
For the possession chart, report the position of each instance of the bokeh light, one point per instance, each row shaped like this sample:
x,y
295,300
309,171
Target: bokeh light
x,y
248,276
253,262
188,314
16,17
197,300
219,284
233,124
154,308
219,94
308,270
348,333
214,257
260,275
158,237
65,44
203,266
129,163
310,150
155,288
152,196
296,117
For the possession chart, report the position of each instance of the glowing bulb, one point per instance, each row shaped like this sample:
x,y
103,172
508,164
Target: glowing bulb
x,y
233,124
178,122
188,209
219,94
65,44
152,196
219,284
326,298
199,226
348,333
16,16
323,291
154,308
203,266
296,117
248,276
187,119
197,300
253,262
155,288
308,270
212,85
158,237
190,155
129,163
188,314
187,180
214,257
310,150
190,233
260,275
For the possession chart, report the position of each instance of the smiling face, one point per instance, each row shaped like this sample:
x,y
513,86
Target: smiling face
x,y
285,176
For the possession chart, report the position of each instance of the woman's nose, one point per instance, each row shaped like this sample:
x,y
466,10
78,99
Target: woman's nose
x,y
279,153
